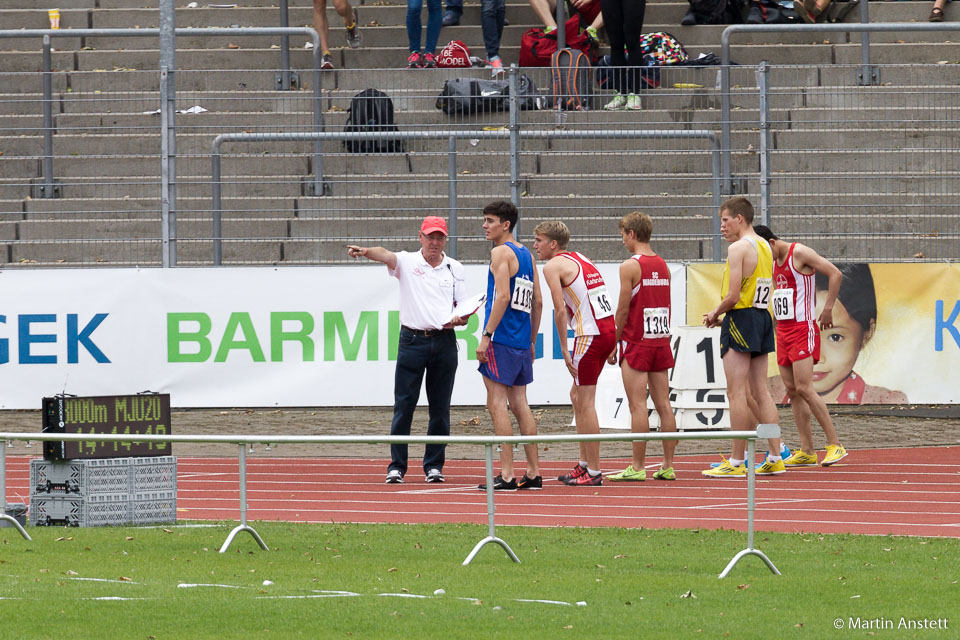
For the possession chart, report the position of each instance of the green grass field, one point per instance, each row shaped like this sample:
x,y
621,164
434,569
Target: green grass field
x,y
601,583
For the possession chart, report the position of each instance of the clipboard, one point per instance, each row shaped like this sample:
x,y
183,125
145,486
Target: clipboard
x,y
468,307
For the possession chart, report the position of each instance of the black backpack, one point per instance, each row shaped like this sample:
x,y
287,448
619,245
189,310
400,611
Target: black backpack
x,y
371,110
717,11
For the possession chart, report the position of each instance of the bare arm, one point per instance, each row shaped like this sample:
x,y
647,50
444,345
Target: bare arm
x,y
552,275
536,311
377,254
807,257
735,258
630,273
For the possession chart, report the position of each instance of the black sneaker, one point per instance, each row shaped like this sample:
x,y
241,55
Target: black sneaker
x,y
530,483
499,484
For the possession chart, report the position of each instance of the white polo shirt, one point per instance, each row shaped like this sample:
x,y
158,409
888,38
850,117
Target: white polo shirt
x,y
428,294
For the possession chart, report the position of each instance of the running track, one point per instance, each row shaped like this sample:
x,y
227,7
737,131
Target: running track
x,y
912,491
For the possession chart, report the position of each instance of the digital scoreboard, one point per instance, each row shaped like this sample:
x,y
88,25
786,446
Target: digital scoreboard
x,y
141,414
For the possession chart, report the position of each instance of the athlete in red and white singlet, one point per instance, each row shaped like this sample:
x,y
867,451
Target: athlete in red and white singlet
x,y
643,329
794,304
798,340
590,316
582,303
646,335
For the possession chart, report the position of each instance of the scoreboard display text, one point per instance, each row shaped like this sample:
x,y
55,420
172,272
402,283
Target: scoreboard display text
x,y
143,414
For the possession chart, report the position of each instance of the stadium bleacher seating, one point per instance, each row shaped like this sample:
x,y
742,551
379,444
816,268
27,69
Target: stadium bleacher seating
x,y
830,137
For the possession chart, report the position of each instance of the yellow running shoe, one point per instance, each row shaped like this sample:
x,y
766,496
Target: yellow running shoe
x,y
665,474
726,470
801,459
835,453
629,474
768,468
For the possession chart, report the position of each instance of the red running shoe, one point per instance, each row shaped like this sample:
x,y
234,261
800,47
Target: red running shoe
x,y
578,471
585,480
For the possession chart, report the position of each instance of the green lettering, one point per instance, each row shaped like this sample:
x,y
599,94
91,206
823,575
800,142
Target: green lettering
x,y
240,320
393,334
468,333
334,324
176,337
278,336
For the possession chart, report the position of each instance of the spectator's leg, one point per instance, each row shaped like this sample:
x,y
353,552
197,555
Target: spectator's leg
x,y
345,9
414,25
612,12
632,32
320,23
451,16
491,22
546,12
434,22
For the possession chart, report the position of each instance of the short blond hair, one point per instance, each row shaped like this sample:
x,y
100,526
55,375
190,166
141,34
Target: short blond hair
x,y
554,230
640,223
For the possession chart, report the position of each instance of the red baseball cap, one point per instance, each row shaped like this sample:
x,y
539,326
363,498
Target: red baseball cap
x,y
433,223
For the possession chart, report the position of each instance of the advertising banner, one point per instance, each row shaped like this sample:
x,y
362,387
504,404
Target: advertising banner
x,y
895,339
236,337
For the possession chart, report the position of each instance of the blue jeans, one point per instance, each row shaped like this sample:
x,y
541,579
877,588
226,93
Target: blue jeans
x,y
434,23
455,6
492,15
437,357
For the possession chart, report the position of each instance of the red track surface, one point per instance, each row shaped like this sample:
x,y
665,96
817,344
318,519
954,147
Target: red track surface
x,y
884,491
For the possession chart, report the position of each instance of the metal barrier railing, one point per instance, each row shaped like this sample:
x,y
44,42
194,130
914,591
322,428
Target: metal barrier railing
x,y
763,431
514,134
865,75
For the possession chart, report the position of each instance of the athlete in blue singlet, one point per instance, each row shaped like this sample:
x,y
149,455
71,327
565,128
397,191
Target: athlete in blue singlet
x,y
506,349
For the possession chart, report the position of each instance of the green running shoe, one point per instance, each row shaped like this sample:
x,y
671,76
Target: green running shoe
x,y
629,475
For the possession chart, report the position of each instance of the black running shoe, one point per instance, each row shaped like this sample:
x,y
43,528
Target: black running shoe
x,y
499,484
527,482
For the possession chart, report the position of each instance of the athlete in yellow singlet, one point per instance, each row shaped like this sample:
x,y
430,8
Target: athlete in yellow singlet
x,y
746,335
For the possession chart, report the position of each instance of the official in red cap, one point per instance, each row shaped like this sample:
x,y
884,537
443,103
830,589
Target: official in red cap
x,y
432,284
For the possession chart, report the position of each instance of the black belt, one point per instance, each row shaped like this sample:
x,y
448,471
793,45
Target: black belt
x,y
426,333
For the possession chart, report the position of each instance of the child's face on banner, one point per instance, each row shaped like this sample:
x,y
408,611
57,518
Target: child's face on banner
x,y
839,347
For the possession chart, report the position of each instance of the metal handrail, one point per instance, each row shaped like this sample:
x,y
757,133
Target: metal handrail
x,y
49,187
865,71
763,431
452,136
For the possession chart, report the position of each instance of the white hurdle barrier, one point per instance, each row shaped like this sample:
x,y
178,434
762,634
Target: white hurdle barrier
x,y
763,431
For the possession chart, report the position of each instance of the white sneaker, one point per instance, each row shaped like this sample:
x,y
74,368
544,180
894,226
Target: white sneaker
x,y
434,475
394,477
617,104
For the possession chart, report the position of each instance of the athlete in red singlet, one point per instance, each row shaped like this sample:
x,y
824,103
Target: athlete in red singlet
x,y
798,339
643,332
580,302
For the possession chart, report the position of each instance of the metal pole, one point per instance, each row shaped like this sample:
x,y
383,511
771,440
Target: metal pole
x,y
48,190
318,121
866,74
168,136
242,469
491,529
284,48
515,138
751,487
217,208
717,182
727,185
3,491
561,24
452,195
762,70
